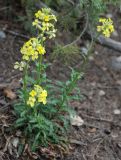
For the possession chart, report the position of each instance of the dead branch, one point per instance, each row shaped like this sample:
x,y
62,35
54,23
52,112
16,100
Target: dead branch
x,y
109,43
16,33
74,141
102,120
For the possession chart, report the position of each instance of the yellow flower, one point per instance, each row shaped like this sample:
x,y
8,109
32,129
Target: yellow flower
x,y
33,93
31,101
46,26
42,100
38,89
38,94
35,56
42,97
106,33
39,14
102,20
99,28
44,21
31,49
41,49
106,27
111,28
44,93
35,23
25,57
46,18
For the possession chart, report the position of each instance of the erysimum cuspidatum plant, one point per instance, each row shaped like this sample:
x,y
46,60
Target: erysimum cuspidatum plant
x,y
43,109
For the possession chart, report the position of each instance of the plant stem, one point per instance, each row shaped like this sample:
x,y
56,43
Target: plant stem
x,y
70,88
25,83
35,111
39,70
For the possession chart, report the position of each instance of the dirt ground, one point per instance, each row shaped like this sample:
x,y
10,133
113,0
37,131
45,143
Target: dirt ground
x,y
99,138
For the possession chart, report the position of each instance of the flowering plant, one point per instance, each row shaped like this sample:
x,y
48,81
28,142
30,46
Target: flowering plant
x,y
106,27
42,107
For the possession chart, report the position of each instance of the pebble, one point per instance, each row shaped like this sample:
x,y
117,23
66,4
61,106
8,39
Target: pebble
x,y
15,141
119,145
2,35
84,50
76,121
117,112
116,63
101,93
96,52
109,15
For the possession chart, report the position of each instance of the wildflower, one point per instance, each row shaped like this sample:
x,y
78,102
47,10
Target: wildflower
x,y
53,33
33,93
35,55
35,23
39,14
31,49
31,101
106,28
46,26
42,97
20,65
38,89
44,20
41,49
38,94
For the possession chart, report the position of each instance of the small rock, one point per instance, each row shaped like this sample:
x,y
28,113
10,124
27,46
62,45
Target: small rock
x,y
114,135
101,93
119,145
96,52
118,59
84,50
117,112
109,15
15,142
116,63
2,35
118,82
76,121
93,84
104,68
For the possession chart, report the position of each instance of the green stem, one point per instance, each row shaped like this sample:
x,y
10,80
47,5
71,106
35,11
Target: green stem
x,y
25,83
70,88
39,70
35,111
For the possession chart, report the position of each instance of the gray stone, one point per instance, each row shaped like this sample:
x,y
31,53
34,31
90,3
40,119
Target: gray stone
x,y
101,93
116,63
2,35
117,111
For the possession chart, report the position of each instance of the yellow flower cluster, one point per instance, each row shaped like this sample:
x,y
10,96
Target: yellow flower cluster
x,y
44,22
38,94
32,49
107,27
